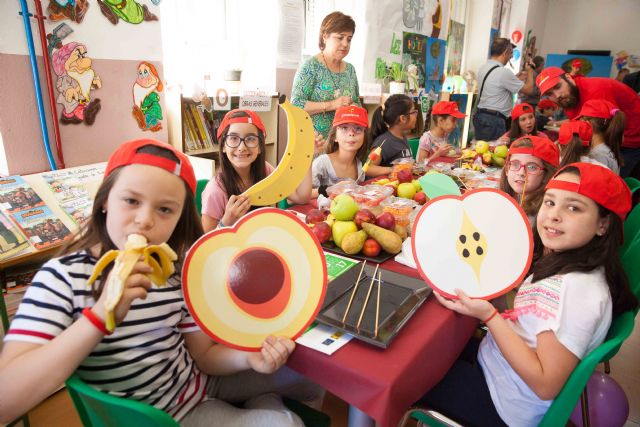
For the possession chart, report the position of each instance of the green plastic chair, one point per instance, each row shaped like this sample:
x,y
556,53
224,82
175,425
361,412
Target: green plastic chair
x,y
414,143
98,409
198,196
633,183
631,229
573,390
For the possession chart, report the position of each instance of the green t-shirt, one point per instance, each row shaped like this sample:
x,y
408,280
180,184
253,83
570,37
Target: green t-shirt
x,y
315,82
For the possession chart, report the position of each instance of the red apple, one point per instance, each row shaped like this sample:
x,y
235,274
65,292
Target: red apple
x,y
420,197
371,248
386,220
404,175
394,188
314,216
364,215
322,231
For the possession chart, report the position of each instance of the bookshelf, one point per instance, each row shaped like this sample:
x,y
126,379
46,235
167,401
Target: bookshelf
x,y
198,128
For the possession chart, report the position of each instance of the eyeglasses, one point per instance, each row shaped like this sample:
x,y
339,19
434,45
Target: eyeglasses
x,y
351,128
250,141
530,168
410,113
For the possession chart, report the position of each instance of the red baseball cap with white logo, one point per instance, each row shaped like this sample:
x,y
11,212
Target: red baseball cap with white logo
x,y
251,117
449,108
575,127
351,114
521,109
599,184
543,148
129,154
600,108
548,78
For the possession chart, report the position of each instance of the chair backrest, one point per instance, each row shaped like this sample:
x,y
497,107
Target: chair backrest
x,y
98,409
414,144
632,266
633,183
631,228
199,189
563,405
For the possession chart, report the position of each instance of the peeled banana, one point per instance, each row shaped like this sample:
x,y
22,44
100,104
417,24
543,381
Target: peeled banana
x,y
125,260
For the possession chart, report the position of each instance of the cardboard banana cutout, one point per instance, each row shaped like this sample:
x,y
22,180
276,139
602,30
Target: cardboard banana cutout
x,y
125,260
295,162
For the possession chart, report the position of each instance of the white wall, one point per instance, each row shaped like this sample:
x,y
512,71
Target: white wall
x,y
592,24
477,29
536,21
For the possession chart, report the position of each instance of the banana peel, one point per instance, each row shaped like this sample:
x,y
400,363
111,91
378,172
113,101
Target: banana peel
x,y
124,261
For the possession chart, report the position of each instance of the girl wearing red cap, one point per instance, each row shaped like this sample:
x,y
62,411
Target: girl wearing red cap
x,y
156,353
523,123
608,124
348,143
531,162
545,112
433,143
562,311
241,141
574,139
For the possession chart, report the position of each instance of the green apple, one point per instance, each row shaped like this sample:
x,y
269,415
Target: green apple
x,y
406,190
341,229
344,208
501,151
482,147
417,185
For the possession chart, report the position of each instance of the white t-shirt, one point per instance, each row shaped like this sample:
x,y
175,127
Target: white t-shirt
x,y
324,173
576,306
498,89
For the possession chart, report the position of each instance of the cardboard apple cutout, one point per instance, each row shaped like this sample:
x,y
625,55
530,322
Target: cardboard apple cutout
x,y
267,275
480,242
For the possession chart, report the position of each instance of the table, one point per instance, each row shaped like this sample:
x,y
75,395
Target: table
x,y
382,384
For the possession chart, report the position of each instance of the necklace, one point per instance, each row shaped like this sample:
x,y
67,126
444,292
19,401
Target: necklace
x,y
336,89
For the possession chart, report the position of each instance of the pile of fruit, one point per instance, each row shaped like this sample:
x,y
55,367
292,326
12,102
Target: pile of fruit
x,y
405,186
356,230
483,153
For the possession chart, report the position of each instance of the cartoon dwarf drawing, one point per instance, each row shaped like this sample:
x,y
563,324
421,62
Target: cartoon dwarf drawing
x,y
75,81
128,10
67,9
146,98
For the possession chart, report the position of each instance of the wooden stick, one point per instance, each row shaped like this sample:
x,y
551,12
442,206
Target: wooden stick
x,y
378,302
353,293
524,188
366,301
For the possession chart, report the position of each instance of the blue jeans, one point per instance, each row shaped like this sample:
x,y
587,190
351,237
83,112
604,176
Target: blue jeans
x,y
488,127
631,157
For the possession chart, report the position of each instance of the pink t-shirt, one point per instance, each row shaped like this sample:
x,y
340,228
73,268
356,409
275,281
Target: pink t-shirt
x,y
215,197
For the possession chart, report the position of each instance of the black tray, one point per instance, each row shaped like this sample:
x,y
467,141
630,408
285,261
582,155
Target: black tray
x,y
400,297
380,258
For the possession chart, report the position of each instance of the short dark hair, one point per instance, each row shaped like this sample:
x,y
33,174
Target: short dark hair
x,y
336,22
538,61
499,46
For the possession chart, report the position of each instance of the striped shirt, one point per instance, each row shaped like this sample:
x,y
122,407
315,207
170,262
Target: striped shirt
x,y
145,359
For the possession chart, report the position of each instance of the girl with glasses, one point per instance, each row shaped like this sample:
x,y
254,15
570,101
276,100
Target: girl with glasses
x,y
389,126
531,162
241,139
346,149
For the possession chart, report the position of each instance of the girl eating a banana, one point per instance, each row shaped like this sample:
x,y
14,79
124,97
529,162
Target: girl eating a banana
x,y
153,351
241,138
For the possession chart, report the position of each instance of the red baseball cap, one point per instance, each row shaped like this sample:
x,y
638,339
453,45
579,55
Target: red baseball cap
x,y
576,63
600,108
575,127
449,108
548,78
351,114
547,103
128,154
252,117
543,148
599,184
521,109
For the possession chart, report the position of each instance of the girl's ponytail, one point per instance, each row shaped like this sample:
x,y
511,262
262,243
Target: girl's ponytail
x,y
378,126
571,152
614,133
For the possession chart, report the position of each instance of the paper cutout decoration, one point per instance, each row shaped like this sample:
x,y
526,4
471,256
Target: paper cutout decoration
x,y
414,48
516,54
265,276
436,50
516,36
295,162
146,98
437,184
75,81
127,10
55,37
67,9
480,242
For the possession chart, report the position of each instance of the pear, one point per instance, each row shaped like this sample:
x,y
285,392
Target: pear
x,y
352,243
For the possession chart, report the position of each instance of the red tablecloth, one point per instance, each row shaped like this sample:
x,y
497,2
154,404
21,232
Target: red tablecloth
x,y
384,383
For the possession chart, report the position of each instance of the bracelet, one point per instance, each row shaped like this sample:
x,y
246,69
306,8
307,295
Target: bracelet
x,y
495,311
97,322
220,224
